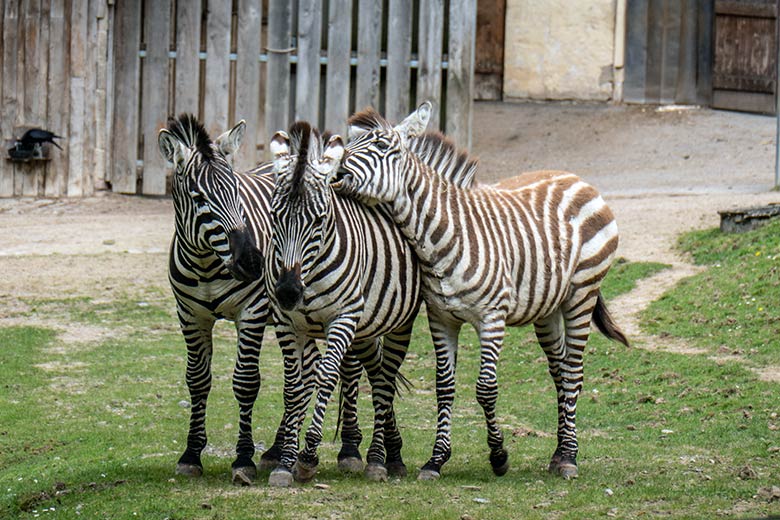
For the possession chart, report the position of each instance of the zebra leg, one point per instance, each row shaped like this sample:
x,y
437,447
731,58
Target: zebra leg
x,y
339,336
272,457
246,385
197,336
445,342
299,360
396,345
491,338
349,459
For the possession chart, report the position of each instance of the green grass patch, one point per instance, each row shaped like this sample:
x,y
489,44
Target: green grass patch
x,y
731,308
94,429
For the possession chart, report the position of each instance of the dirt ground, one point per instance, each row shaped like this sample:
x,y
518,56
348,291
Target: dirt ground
x,y
663,171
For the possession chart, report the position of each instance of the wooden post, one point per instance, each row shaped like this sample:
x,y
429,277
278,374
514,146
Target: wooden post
x,y
59,96
460,73
187,80
399,48
217,96
154,93
277,99
127,41
430,53
79,181
307,81
368,54
250,18
338,76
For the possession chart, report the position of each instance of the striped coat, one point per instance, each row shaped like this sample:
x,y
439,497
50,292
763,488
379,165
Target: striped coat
x,y
493,258
222,226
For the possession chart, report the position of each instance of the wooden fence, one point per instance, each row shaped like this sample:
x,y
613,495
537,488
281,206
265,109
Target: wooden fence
x,y
106,74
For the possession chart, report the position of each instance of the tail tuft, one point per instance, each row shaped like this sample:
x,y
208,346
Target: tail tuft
x,y
603,321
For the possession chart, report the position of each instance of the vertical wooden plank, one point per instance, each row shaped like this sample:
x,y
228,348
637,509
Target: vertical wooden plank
x,y
34,107
460,73
250,16
307,81
686,77
670,60
655,35
705,19
154,102
368,53
6,168
91,100
338,75
215,106
489,50
59,96
430,54
127,41
636,51
399,48
101,85
79,180
277,98
187,56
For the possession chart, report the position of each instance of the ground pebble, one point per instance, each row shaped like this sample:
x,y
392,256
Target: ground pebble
x,y
479,500
609,492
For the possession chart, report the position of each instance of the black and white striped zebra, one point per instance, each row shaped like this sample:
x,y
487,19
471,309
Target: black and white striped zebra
x,y
493,258
222,226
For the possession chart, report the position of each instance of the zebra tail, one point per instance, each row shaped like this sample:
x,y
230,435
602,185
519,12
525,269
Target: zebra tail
x,y
603,321
404,382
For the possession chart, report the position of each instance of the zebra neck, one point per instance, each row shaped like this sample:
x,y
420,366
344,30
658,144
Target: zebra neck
x,y
423,212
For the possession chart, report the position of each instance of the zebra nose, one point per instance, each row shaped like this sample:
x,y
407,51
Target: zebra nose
x,y
289,288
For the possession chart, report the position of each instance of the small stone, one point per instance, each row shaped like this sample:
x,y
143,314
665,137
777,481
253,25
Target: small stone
x,y
609,492
109,242
184,404
321,486
667,432
479,500
631,428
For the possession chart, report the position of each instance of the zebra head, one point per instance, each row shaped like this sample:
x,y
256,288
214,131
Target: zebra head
x,y
209,214
300,206
374,160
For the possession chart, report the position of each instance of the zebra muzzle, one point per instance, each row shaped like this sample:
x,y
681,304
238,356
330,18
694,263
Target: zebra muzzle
x,y
289,288
247,260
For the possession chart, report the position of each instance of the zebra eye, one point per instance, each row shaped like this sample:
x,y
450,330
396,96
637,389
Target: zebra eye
x,y
382,146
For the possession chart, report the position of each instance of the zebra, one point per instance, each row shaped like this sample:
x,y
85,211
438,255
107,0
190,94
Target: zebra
x,y
222,226
493,258
342,272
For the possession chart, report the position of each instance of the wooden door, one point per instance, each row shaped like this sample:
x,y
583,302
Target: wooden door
x,y
745,55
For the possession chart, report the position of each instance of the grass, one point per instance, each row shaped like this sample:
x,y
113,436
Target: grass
x,y
731,308
93,430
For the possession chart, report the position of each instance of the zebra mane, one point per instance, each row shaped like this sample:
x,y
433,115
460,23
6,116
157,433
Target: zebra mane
x,y
442,154
304,141
369,119
192,133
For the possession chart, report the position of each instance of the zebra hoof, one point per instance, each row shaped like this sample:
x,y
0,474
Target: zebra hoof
x,y
376,472
280,477
303,472
189,470
565,470
244,476
351,465
428,474
396,469
565,467
499,461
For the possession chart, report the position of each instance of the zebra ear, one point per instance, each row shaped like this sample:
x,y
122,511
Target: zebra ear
x,y
229,142
170,147
280,150
355,131
331,155
416,122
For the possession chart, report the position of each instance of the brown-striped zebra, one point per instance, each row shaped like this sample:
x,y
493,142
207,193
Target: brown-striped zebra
x,y
493,258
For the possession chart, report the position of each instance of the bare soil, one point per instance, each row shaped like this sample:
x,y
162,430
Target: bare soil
x,y
663,171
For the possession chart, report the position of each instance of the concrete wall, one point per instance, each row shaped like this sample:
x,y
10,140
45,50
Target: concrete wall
x,y
560,49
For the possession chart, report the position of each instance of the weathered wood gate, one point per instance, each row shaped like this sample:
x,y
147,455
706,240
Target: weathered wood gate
x,y
745,57
106,74
313,60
